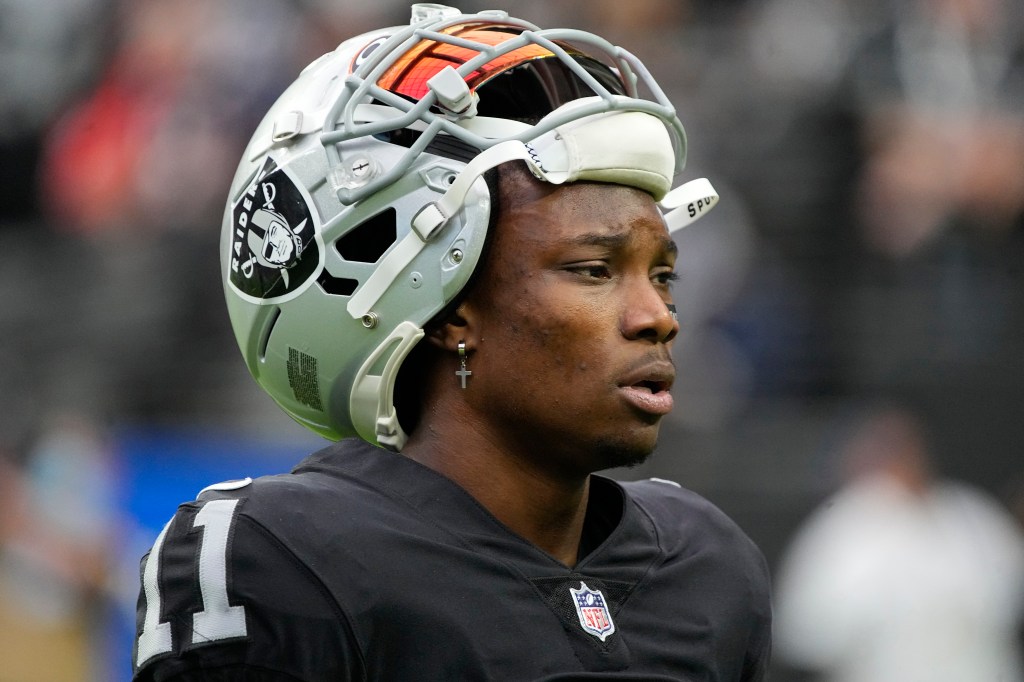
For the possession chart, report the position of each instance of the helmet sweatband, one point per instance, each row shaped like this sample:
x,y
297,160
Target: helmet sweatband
x,y
629,148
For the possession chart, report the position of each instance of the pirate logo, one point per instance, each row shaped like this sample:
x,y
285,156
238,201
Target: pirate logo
x,y
275,248
592,610
282,245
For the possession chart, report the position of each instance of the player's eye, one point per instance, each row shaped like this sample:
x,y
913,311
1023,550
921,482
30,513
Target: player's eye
x,y
593,271
665,277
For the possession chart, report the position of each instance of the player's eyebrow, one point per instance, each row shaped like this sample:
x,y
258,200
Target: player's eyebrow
x,y
609,241
616,241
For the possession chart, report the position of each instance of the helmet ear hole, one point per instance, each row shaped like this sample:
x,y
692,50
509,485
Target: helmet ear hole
x,y
368,241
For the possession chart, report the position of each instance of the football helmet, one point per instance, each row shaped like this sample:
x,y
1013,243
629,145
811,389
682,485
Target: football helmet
x,y
359,209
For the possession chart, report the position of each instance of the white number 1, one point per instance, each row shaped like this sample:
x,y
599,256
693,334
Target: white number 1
x,y
218,620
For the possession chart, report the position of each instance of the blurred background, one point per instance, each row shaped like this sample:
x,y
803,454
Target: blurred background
x,y
851,359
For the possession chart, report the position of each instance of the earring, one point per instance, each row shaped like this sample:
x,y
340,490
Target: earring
x,y
462,373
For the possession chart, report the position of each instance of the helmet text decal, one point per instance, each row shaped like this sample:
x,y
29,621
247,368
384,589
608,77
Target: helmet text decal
x,y
304,379
274,246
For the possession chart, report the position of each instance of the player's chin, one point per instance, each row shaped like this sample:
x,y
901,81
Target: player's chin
x,y
627,448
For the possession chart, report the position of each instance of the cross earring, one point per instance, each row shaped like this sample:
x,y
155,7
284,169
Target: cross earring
x,y
462,373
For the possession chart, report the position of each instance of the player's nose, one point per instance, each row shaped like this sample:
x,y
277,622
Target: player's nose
x,y
646,314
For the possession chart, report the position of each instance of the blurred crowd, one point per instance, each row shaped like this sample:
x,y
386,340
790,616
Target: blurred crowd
x,y
868,250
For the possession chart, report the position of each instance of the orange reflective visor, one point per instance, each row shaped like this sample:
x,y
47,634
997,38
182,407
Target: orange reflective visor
x,y
409,75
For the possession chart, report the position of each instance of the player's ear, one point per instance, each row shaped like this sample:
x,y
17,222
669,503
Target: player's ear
x,y
459,325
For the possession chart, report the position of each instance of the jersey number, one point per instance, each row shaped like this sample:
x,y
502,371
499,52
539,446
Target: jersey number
x,y
218,620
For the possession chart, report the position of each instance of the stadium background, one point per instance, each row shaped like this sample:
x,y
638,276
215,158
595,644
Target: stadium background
x,y
868,248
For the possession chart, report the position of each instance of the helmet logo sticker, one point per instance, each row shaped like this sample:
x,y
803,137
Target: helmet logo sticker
x,y
367,52
275,246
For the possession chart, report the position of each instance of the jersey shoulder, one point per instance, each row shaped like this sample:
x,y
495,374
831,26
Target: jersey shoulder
x,y
717,569
223,586
686,523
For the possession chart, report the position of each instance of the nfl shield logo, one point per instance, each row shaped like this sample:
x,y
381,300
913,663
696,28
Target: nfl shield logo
x,y
595,618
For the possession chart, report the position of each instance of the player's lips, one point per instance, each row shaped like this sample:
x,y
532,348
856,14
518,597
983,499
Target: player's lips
x,y
647,388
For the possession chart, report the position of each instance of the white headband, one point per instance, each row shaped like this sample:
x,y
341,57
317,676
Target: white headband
x,y
621,147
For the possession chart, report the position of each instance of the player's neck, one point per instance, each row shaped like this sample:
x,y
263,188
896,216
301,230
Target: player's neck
x,y
542,507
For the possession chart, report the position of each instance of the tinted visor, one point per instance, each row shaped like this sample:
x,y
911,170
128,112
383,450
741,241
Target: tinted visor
x,y
524,84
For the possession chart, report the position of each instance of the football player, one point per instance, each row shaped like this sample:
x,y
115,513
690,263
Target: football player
x,y
476,305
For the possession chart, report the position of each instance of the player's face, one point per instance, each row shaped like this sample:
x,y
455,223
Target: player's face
x,y
573,359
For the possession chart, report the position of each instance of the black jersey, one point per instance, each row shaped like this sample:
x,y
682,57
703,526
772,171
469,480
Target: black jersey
x,y
363,564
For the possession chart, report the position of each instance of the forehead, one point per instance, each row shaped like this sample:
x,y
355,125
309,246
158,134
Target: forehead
x,y
532,211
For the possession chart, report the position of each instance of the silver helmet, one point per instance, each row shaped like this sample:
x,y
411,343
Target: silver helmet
x,y
359,209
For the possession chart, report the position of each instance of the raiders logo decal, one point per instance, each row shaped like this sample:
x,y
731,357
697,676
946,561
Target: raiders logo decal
x,y
276,248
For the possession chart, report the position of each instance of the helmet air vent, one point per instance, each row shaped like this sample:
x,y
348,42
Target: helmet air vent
x,y
368,241
336,286
268,327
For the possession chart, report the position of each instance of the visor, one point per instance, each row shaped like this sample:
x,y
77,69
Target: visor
x,y
408,76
